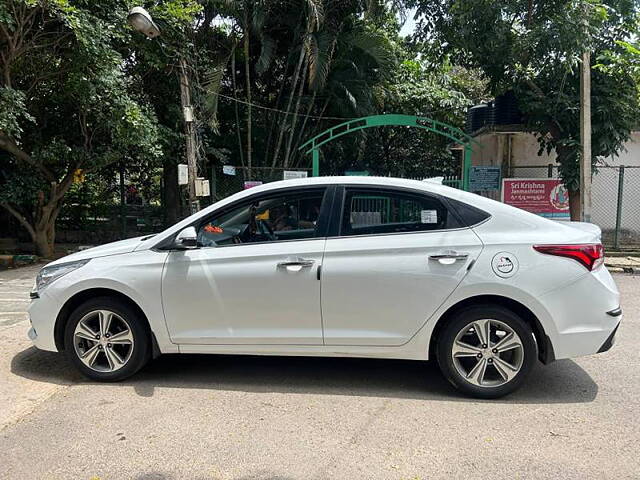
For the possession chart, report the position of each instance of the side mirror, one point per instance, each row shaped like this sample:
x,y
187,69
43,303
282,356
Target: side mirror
x,y
187,239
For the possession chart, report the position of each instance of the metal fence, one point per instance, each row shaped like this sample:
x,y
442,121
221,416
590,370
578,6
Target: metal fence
x,y
225,184
102,223
615,200
616,205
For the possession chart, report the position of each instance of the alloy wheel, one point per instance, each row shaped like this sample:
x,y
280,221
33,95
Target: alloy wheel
x,y
103,341
487,353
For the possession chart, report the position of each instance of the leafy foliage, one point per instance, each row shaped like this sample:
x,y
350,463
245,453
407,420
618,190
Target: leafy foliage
x,y
416,88
69,105
87,93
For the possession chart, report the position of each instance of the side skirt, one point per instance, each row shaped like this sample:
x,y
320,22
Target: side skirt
x,y
309,351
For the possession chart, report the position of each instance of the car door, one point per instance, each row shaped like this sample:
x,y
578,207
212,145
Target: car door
x,y
397,256
253,278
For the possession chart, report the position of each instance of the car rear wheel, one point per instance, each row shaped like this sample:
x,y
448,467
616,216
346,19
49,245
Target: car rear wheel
x,y
106,340
486,351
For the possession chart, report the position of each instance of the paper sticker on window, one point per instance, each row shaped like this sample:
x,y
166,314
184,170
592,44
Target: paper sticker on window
x,y
429,216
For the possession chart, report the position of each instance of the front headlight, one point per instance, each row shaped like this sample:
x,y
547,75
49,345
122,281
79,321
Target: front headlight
x,y
50,274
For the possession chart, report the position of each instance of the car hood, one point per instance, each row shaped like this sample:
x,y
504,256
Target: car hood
x,y
113,248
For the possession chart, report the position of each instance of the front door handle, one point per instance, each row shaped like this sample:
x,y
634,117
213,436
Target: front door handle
x,y
449,257
296,262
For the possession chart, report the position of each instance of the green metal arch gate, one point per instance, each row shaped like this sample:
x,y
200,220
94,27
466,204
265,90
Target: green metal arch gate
x,y
313,145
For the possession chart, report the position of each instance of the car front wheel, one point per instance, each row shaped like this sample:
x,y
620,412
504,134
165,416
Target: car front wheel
x,y
106,340
486,351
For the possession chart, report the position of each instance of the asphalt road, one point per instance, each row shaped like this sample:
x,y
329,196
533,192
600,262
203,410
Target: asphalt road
x,y
209,417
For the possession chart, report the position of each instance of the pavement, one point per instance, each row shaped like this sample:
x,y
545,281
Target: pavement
x,y
626,264
232,417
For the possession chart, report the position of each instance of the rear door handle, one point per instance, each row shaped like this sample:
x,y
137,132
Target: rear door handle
x,y
449,256
296,262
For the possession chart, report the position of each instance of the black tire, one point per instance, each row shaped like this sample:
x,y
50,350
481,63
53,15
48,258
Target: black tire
x,y
463,318
141,349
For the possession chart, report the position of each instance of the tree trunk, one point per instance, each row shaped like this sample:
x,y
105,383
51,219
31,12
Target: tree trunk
x,y
302,128
235,104
294,120
567,155
43,244
574,205
42,229
283,124
45,226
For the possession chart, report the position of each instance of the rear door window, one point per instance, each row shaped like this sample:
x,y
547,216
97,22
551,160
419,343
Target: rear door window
x,y
378,211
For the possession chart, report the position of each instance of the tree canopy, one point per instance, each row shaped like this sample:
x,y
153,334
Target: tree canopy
x,y
82,95
67,106
534,49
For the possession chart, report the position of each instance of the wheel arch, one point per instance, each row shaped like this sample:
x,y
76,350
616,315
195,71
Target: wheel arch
x,y
545,348
80,297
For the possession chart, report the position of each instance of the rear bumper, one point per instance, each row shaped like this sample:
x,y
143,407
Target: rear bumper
x,y
586,315
610,341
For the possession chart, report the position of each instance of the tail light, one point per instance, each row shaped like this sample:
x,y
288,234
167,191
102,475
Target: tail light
x,y
589,255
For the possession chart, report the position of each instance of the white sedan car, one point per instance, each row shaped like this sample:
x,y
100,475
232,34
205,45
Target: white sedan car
x,y
339,266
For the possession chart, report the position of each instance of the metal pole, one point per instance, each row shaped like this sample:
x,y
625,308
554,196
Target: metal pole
x,y
213,184
585,137
466,168
550,170
190,134
315,163
123,213
616,238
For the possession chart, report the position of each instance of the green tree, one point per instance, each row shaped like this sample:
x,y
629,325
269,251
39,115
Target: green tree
x,y
66,105
307,60
534,48
441,92
153,68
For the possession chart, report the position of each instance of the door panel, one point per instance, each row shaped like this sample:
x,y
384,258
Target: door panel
x,y
380,289
254,278
240,295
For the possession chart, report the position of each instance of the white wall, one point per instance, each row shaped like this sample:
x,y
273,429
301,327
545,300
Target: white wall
x,y
525,149
630,156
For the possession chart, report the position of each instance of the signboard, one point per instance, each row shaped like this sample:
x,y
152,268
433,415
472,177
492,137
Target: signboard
x,y
483,179
202,187
356,173
291,174
547,197
183,174
228,170
251,183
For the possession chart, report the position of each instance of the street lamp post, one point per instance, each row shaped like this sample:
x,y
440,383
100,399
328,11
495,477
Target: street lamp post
x,y
141,21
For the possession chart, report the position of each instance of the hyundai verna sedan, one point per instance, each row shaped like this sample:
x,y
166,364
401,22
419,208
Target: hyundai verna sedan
x,y
343,267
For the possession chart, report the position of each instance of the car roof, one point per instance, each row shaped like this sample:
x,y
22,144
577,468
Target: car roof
x,y
355,180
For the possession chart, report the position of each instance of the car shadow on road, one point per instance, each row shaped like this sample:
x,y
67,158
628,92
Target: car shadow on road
x,y
563,381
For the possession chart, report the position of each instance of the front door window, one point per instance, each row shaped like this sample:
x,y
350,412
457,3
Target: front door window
x,y
291,216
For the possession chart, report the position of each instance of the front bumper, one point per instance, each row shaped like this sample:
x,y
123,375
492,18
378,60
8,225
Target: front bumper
x,y
32,334
43,312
